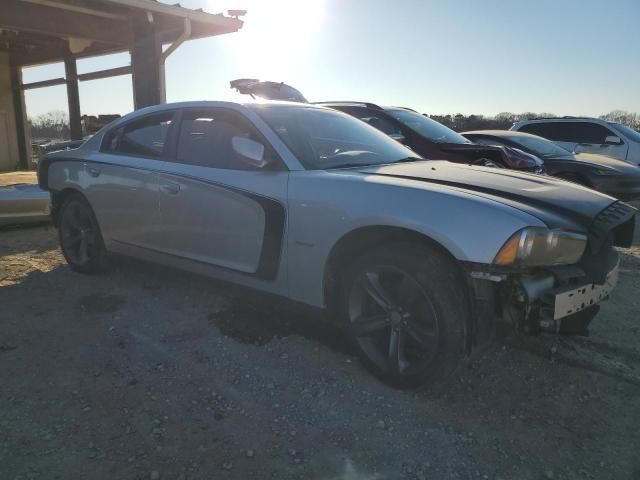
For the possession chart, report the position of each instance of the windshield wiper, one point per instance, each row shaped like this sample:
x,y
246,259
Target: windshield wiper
x,y
349,165
409,159
355,164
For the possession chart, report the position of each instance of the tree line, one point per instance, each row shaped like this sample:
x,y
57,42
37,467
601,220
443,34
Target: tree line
x,y
54,125
504,120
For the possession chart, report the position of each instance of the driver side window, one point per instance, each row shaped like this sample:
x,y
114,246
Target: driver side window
x,y
205,138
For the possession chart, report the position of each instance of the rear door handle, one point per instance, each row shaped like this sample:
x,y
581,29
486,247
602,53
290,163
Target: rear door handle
x,y
94,172
170,188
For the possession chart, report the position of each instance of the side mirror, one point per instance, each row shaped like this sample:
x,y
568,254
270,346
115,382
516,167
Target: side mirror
x,y
612,140
398,137
250,151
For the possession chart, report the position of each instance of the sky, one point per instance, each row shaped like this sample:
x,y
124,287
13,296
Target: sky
x,y
567,57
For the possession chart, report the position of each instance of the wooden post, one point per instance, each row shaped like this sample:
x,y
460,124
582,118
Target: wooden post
x,y
19,112
73,98
146,63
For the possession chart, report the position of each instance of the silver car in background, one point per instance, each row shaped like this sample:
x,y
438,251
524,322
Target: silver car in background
x,y
418,259
23,203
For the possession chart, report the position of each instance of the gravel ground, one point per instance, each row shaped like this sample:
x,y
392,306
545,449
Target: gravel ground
x,y
146,373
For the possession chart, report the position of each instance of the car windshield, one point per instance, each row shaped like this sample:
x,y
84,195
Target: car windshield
x,y
434,131
626,131
541,147
322,138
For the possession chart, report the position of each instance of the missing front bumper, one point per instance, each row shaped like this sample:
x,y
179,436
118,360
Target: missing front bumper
x,y
561,301
574,300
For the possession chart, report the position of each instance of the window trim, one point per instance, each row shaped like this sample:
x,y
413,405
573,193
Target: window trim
x,y
171,154
169,140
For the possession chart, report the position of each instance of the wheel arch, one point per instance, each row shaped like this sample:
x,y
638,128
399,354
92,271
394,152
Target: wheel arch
x,y
59,197
363,238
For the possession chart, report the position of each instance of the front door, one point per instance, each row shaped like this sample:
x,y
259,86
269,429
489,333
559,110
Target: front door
x,y
214,207
591,139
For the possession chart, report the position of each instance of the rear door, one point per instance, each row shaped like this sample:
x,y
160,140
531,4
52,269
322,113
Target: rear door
x,y
213,207
122,179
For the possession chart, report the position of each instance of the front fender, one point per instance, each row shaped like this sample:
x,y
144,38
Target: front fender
x,y
324,207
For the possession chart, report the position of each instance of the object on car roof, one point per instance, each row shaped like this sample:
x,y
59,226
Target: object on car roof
x,y
267,90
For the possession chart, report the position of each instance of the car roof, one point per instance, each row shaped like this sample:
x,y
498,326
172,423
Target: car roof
x,y
498,133
562,119
209,104
349,103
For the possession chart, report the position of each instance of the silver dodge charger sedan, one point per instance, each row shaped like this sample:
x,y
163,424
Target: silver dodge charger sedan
x,y
419,260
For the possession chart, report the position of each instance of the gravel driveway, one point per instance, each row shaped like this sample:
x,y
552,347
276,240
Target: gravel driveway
x,y
146,373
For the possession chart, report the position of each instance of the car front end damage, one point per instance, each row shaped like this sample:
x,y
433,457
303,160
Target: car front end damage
x,y
561,296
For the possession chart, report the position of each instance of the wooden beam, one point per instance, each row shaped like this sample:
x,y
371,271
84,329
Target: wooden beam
x,y
43,83
48,20
111,72
78,8
43,56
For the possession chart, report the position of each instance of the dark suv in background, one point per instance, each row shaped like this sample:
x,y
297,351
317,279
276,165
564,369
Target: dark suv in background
x,y
423,135
431,139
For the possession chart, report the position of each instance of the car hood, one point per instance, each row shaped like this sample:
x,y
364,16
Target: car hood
x,y
516,159
601,161
557,203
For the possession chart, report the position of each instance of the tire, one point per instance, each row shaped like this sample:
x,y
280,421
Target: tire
x,y
80,237
405,308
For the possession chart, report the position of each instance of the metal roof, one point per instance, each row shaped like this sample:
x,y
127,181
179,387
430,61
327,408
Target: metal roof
x,y
44,31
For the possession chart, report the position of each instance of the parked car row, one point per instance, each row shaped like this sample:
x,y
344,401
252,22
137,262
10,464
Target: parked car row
x,y
418,259
600,172
595,153
587,135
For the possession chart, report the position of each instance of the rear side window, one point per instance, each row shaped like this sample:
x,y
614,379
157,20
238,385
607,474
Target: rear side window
x,y
145,137
487,141
574,132
377,121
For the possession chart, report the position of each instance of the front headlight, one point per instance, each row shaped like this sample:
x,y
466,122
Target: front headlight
x,y
536,247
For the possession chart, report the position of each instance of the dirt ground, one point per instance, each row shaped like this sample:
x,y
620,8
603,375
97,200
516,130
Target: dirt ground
x,y
11,178
145,373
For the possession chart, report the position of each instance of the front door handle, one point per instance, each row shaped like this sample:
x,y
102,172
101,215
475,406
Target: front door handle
x,y
94,172
170,188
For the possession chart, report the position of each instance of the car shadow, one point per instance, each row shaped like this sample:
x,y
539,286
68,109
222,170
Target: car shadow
x,y
247,316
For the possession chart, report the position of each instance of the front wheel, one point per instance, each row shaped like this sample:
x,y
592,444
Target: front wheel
x,y
80,237
406,310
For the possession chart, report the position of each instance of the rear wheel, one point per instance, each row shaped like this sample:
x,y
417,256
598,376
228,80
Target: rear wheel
x,y
80,237
406,311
